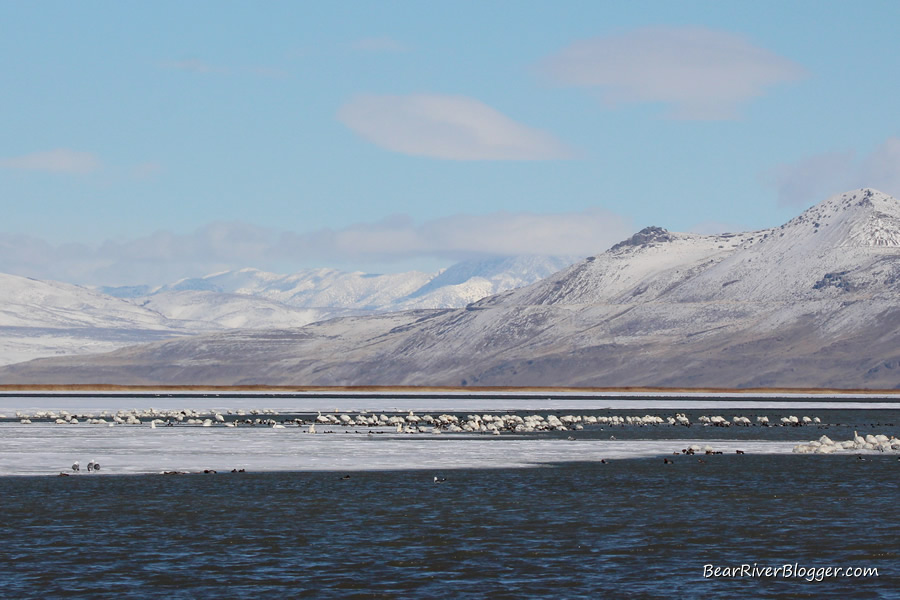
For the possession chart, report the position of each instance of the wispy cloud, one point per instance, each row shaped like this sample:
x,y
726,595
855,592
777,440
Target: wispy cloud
x,y
814,178
702,73
448,127
379,44
61,160
160,257
464,236
165,256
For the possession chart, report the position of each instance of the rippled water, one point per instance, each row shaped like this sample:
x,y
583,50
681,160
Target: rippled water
x,y
352,515
636,528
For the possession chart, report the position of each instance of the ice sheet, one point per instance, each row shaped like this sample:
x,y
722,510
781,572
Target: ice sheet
x,y
48,449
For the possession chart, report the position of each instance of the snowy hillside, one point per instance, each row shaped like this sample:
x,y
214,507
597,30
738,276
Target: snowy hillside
x,y
312,288
232,311
847,242
255,299
32,303
47,318
472,280
324,289
641,267
42,318
813,303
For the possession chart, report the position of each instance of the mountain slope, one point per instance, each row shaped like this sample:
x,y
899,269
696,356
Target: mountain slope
x,y
311,288
813,303
232,311
324,289
48,318
45,318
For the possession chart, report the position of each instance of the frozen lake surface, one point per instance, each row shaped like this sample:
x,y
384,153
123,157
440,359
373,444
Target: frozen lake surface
x,y
46,448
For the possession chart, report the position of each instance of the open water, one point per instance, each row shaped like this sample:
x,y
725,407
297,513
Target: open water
x,y
630,527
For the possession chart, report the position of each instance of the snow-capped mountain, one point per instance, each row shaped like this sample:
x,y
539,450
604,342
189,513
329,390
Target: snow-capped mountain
x,y
324,289
312,288
254,299
47,318
43,318
472,280
232,311
813,303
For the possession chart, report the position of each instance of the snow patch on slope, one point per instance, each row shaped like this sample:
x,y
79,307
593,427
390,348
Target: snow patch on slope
x,y
636,270
232,311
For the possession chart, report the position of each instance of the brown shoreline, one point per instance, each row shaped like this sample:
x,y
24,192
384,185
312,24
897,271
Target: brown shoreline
x,y
11,388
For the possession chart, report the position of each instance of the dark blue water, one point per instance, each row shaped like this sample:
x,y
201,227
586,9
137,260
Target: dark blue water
x,y
631,528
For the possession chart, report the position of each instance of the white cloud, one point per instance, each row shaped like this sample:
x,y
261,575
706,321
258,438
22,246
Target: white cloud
x,y
817,177
581,233
448,127
165,257
702,73
379,44
60,160
156,258
464,236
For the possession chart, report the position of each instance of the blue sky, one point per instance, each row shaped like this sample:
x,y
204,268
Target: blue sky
x,y
143,142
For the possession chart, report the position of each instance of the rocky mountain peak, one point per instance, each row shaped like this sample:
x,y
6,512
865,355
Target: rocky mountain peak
x,y
863,217
645,237
813,303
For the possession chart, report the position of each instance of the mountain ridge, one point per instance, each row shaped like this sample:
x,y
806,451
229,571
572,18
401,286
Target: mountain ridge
x,y
46,318
812,303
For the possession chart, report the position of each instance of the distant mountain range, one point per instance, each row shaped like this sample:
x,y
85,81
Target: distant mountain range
x,y
46,318
812,303
455,286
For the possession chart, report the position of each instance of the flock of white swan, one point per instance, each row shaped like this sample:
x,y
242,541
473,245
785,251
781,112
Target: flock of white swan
x,y
825,445
396,422
401,423
411,423
487,423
